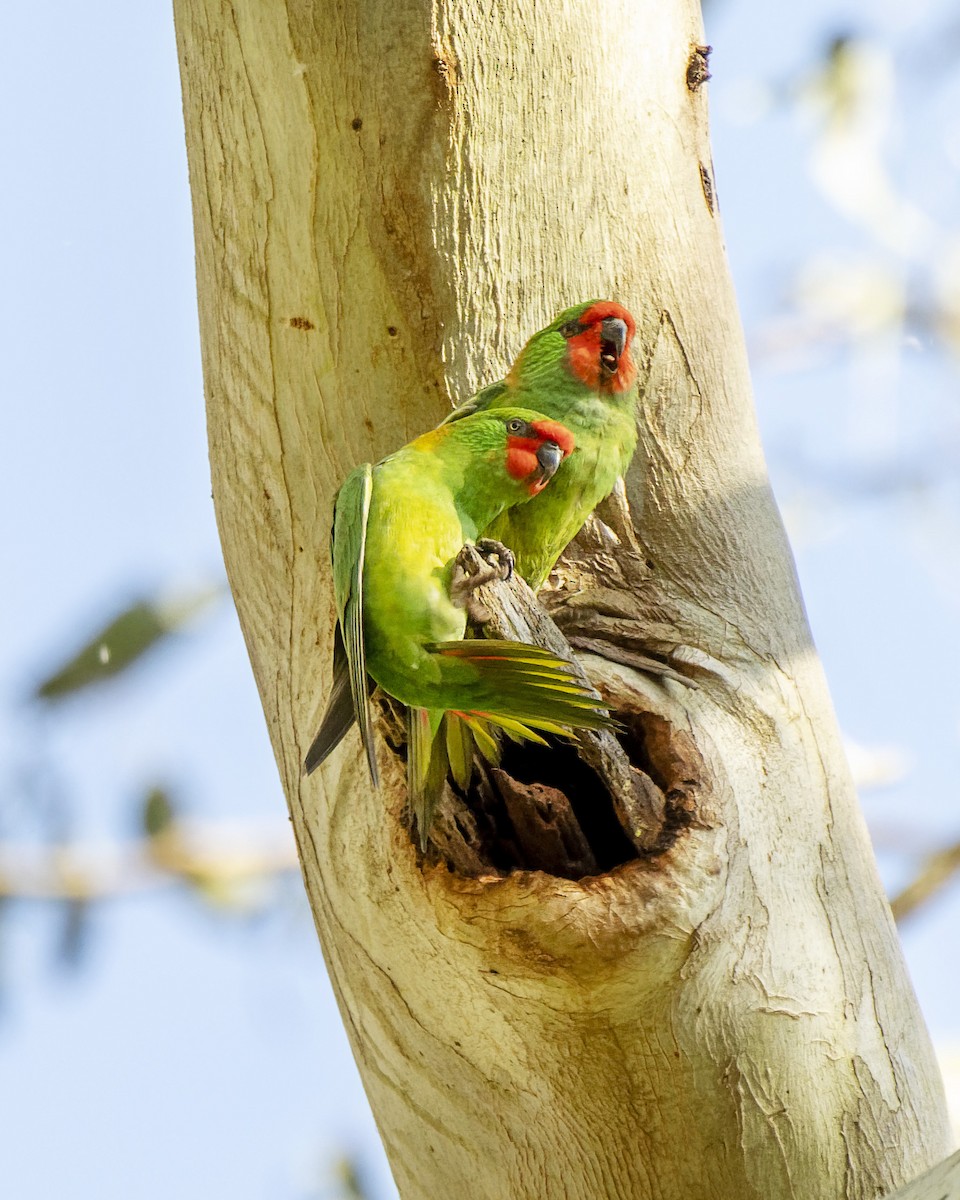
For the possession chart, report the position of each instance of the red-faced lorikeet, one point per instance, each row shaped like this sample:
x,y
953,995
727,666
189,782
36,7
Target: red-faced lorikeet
x,y
579,371
398,528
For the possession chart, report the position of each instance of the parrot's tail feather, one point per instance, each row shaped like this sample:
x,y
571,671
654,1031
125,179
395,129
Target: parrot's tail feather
x,y
484,735
459,749
351,626
335,724
514,689
427,760
521,682
340,713
351,514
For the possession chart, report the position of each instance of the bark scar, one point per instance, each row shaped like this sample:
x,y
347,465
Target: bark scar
x,y
672,416
706,182
698,71
446,64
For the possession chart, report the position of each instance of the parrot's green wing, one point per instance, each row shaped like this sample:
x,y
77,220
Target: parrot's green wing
x,y
351,514
486,398
349,547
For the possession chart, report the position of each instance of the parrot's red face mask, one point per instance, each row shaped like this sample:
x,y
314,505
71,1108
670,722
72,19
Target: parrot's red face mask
x,y
598,347
535,449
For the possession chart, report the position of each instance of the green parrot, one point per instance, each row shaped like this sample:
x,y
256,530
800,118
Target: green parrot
x,y
580,371
398,528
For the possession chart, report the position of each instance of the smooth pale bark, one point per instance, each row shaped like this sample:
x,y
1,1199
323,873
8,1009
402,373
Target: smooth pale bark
x,y
388,199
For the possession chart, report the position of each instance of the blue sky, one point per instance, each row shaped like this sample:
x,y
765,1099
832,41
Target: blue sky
x,y
196,1053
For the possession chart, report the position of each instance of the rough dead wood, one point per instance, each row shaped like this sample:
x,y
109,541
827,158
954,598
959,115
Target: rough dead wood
x,y
547,831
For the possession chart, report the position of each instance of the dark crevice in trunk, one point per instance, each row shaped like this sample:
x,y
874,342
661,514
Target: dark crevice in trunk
x,y
545,809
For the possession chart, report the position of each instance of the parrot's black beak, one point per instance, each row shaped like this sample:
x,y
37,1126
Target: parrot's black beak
x,y
549,456
613,334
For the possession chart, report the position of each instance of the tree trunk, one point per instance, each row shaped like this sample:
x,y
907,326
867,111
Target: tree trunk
x,y
388,199
941,1182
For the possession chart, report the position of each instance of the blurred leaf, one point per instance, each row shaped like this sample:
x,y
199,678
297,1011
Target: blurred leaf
x,y
876,766
350,1178
852,99
935,874
73,933
947,290
123,642
158,813
850,296
108,652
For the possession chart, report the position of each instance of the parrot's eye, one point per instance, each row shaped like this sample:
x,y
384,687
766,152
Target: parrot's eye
x,y
515,425
571,329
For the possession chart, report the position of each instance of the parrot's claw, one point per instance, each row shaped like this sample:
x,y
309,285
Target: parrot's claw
x,y
467,578
506,559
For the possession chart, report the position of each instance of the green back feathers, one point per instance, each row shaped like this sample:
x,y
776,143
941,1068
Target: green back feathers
x,y
538,367
480,439
470,457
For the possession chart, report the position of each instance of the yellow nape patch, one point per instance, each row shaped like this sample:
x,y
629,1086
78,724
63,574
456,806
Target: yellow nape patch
x,y
513,375
429,441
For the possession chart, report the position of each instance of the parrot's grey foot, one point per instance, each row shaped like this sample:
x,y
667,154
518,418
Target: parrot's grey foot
x,y
463,591
467,576
464,595
491,548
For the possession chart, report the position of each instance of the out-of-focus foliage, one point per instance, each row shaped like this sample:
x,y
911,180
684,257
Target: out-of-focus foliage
x,y
123,641
350,1176
159,812
850,100
231,867
897,274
